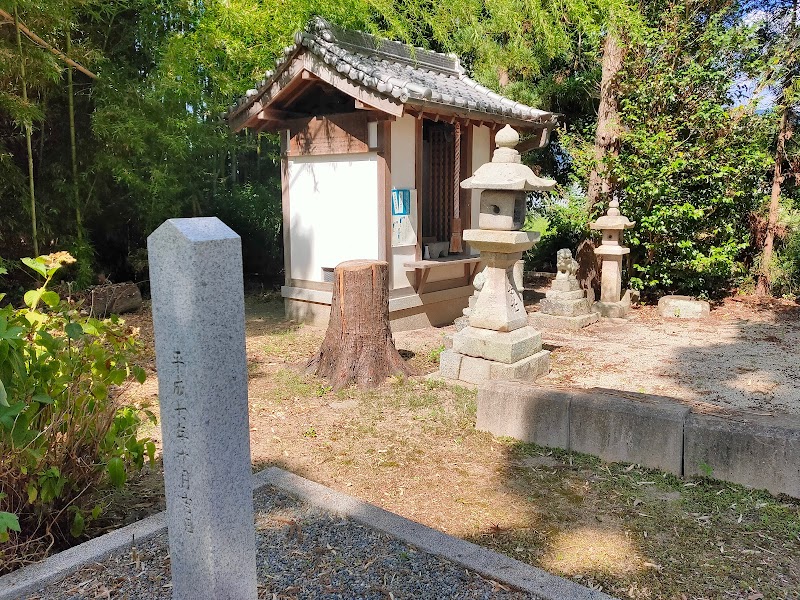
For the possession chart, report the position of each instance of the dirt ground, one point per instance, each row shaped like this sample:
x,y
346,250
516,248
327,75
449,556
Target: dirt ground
x,y
741,357
411,447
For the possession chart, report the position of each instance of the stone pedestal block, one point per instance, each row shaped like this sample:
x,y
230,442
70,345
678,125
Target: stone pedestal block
x,y
614,310
571,295
564,285
540,320
493,345
481,370
449,364
564,307
471,369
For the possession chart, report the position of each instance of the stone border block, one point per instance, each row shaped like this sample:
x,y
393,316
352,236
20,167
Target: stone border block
x,y
683,307
527,413
762,452
634,428
27,580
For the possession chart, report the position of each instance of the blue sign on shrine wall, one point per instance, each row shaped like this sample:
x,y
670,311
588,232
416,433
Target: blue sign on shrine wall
x,y
401,202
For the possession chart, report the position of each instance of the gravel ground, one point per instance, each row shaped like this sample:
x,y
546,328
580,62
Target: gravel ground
x,y
302,552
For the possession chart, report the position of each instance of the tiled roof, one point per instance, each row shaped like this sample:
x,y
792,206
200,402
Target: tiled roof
x,y
410,75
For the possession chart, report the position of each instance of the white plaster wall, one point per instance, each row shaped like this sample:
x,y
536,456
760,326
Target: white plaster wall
x,y
481,154
403,158
333,212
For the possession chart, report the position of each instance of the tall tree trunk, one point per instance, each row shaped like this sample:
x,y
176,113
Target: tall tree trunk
x,y
606,142
764,284
72,145
358,345
28,128
764,277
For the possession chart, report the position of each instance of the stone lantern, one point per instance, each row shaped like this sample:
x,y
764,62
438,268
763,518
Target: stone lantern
x,y
499,343
612,303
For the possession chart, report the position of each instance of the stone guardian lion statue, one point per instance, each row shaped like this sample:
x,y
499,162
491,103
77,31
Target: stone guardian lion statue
x,y
566,265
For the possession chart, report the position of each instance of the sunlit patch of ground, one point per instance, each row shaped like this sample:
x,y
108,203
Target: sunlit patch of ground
x,y
589,550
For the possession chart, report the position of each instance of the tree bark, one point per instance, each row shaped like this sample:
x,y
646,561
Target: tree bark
x,y
358,345
589,269
765,277
606,142
73,147
28,128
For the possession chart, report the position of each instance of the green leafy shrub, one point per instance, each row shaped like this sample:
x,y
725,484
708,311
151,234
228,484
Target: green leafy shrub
x,y
786,267
690,168
563,223
63,430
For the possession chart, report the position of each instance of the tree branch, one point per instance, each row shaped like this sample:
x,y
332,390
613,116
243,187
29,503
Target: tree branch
x,y
42,44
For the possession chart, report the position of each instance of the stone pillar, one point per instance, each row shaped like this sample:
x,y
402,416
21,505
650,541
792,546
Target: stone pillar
x,y
198,316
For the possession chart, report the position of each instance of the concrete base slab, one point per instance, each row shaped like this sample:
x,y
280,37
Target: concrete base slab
x,y
555,323
527,413
757,451
506,347
628,427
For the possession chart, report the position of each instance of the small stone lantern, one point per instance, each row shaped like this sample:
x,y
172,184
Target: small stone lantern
x,y
499,343
612,303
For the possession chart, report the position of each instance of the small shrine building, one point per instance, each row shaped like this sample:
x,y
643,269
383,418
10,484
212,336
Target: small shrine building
x,y
376,137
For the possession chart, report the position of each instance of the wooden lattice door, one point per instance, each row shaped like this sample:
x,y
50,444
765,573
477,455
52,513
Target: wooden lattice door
x,y
442,154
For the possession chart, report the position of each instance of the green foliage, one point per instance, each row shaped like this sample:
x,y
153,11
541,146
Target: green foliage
x,y
563,223
151,144
691,169
435,354
62,428
786,265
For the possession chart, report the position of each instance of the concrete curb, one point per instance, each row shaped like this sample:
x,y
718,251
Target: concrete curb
x,y
487,563
34,577
757,451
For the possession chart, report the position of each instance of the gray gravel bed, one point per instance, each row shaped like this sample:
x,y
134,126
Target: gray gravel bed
x,y
302,552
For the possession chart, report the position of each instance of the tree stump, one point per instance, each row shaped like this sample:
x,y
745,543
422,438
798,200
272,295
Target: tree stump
x,y
115,298
588,270
358,345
